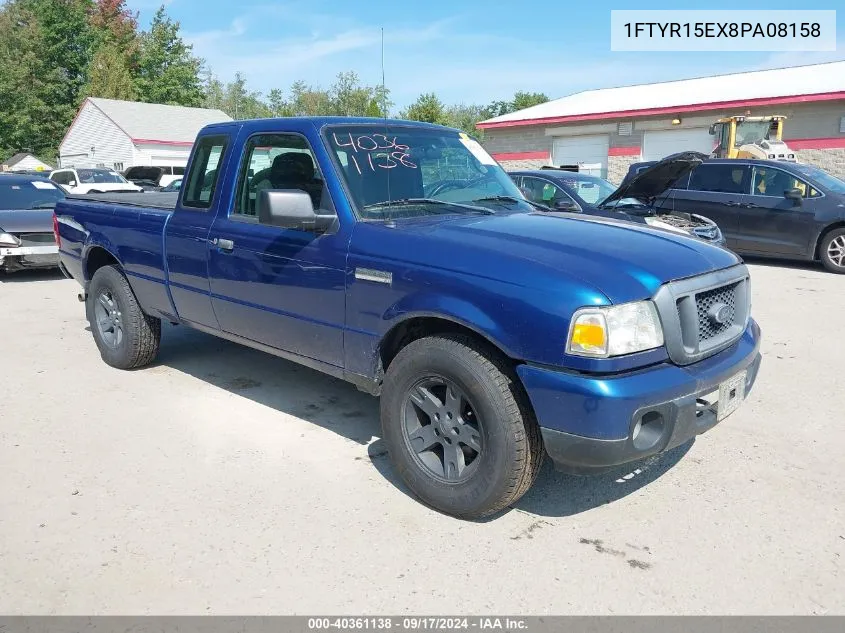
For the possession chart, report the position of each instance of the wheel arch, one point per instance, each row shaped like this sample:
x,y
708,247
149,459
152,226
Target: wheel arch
x,y
96,257
414,326
824,233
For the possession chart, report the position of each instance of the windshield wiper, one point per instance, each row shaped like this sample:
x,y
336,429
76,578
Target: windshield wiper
x,y
404,202
512,199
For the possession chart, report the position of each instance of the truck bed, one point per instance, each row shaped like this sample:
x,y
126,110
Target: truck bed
x,y
130,226
151,199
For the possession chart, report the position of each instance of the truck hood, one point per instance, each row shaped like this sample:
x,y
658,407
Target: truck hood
x,y
657,179
26,220
622,260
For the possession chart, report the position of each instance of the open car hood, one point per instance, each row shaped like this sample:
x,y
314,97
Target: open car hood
x,y
655,180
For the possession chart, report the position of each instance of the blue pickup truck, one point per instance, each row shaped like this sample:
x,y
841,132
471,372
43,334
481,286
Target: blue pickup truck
x,y
399,256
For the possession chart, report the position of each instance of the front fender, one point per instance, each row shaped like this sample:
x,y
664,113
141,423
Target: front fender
x,y
456,310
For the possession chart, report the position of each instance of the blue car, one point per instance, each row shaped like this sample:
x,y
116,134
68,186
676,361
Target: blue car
x,y
400,257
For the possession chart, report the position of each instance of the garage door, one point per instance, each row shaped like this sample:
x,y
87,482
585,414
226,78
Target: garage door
x,y
588,151
659,144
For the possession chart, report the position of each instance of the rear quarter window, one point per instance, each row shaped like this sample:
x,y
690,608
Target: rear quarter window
x,y
201,184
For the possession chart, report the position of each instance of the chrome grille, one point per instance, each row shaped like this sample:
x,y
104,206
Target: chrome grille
x,y
706,301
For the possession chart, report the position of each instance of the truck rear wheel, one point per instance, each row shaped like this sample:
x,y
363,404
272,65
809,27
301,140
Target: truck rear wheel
x,y
126,337
458,427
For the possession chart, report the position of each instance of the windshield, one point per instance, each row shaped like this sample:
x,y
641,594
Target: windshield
x,y
398,171
88,176
29,195
751,132
593,190
590,189
821,177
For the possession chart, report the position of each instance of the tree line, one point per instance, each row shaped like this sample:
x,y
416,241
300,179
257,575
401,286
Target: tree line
x,y
55,53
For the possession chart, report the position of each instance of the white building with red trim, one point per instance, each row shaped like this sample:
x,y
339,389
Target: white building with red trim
x,y
606,130
120,134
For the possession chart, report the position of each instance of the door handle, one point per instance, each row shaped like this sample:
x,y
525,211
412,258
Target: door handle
x,y
733,204
223,244
751,205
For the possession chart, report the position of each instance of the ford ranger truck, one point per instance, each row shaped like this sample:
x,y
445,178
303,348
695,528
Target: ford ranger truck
x,y
399,256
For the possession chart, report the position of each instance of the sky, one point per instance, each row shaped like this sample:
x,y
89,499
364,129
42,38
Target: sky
x,y
466,51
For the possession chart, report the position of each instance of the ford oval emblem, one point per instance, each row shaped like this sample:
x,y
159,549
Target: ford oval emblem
x,y
719,313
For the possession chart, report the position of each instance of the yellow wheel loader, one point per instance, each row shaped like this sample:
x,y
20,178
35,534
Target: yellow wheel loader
x,y
751,137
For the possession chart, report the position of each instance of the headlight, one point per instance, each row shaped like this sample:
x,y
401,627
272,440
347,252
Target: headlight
x,y
7,239
605,331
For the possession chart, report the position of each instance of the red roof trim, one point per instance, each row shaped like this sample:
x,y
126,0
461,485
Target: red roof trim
x,y
152,141
824,96
624,151
816,143
522,155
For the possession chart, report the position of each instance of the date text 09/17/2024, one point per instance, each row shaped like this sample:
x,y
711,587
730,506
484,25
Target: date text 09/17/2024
x,y
417,623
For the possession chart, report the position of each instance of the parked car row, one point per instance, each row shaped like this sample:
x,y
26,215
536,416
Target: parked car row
x,y
563,190
134,180
768,208
754,207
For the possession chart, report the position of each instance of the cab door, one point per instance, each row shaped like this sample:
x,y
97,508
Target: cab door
x,y
186,232
716,191
284,288
773,224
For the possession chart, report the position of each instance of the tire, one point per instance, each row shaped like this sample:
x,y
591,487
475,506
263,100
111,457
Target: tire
x,y
832,251
498,421
126,337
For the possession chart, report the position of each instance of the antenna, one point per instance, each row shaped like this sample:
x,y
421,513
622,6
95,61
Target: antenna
x,y
383,87
384,114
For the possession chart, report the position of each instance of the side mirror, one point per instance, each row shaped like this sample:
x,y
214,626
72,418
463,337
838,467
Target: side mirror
x,y
566,205
71,183
793,194
291,209
712,129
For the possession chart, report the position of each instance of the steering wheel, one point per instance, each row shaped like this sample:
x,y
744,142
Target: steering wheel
x,y
447,185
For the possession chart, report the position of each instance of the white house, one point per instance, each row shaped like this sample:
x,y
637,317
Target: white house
x,y
24,162
120,134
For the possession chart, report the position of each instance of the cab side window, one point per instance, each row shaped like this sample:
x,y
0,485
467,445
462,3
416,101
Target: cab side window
x,y
722,178
205,172
279,161
62,177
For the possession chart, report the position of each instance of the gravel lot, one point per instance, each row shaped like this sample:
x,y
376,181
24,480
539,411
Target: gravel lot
x,y
224,480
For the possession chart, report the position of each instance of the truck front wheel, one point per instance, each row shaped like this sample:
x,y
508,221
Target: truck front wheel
x,y
458,427
126,337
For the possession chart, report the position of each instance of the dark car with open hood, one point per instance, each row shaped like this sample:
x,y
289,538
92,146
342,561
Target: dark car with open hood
x,y
26,222
638,199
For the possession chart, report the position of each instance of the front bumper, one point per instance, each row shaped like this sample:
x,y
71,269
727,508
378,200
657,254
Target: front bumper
x,y
592,424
